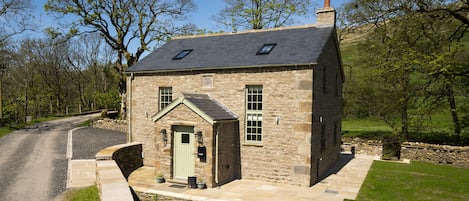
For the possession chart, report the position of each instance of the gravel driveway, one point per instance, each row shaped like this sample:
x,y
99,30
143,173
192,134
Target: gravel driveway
x,y
88,141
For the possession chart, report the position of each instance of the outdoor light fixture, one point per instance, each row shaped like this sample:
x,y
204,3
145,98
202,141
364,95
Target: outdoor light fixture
x,y
164,135
200,138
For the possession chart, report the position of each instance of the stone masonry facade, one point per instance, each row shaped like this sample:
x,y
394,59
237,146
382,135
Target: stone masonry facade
x,y
283,156
297,146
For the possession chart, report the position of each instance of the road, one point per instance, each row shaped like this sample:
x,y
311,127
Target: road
x,y
33,164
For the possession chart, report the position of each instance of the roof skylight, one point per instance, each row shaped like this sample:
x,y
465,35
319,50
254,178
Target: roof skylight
x,y
182,54
266,48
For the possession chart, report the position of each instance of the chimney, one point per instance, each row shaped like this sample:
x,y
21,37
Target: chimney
x,y
325,17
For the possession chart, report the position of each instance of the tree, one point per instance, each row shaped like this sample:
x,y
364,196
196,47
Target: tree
x,y
261,14
125,22
407,52
14,18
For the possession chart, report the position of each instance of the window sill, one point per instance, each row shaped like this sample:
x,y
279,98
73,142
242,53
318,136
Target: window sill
x,y
253,144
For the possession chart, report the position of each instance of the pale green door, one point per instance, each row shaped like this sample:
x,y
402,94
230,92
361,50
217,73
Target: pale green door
x,y
183,152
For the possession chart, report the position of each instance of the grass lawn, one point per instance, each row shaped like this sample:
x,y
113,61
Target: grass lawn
x,y
82,194
365,128
414,181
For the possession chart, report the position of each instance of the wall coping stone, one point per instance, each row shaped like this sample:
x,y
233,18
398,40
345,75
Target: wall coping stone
x,y
111,183
110,180
108,152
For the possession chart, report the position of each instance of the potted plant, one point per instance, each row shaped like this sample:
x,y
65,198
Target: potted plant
x,y
201,185
160,178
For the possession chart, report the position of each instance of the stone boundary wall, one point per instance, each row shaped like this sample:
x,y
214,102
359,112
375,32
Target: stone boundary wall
x,y
113,166
111,183
127,156
110,124
439,154
367,147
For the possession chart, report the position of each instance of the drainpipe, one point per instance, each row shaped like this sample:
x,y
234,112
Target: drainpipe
x,y
216,152
129,137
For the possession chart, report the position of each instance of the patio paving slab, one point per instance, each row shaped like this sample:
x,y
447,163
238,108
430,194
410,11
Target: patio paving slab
x,y
343,182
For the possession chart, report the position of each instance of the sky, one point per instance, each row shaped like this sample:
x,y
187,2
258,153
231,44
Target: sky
x,y
201,16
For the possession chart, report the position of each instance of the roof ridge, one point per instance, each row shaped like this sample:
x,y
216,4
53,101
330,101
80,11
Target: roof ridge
x,y
243,32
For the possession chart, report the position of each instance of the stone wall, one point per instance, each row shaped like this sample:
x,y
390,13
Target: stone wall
x,y
284,155
362,146
110,124
438,154
159,154
111,183
128,157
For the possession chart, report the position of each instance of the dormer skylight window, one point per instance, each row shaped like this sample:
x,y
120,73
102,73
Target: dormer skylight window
x,y
266,48
182,54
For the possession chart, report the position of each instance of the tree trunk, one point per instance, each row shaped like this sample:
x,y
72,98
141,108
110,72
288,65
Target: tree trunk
x,y
404,103
454,114
404,120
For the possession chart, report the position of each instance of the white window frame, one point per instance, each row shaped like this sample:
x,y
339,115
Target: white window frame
x,y
165,97
253,118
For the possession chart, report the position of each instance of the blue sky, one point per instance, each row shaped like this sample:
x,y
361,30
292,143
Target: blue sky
x,y
201,16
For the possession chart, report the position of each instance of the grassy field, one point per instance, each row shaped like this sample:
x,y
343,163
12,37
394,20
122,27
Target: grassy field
x,y
436,131
365,128
414,181
82,194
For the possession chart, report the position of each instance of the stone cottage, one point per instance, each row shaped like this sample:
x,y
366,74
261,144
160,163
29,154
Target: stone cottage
x,y
262,105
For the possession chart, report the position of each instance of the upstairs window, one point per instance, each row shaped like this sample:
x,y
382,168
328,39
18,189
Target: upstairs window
x,y
253,113
166,96
182,54
266,49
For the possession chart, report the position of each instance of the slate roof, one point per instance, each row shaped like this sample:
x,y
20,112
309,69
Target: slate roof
x,y
208,108
300,45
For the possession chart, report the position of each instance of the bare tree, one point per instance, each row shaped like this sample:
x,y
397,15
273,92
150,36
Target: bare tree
x,y
261,14
125,22
15,18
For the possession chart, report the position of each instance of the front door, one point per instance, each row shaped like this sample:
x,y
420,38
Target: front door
x,y
183,152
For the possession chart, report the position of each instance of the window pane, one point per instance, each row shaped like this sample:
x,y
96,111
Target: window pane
x,y
185,138
165,97
253,113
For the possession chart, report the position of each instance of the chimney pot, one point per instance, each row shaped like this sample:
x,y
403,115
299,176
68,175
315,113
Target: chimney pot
x,y
327,3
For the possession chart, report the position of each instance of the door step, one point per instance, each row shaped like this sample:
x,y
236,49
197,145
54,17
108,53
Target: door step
x,y
178,181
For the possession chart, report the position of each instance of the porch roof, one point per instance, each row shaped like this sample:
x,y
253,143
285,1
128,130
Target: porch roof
x,y
206,107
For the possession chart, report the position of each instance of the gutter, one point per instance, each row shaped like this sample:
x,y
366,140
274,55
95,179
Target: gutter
x,y
221,68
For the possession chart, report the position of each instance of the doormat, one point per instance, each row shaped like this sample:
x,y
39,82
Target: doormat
x,y
177,186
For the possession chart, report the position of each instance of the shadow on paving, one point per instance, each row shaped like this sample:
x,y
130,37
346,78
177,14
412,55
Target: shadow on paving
x,y
89,141
345,158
